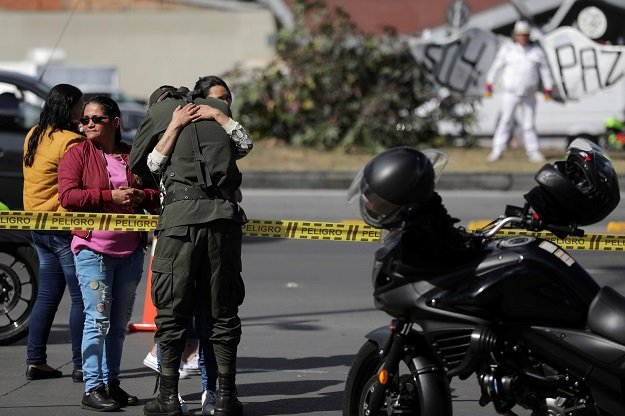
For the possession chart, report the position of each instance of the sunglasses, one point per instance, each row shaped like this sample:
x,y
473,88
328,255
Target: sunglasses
x,y
96,119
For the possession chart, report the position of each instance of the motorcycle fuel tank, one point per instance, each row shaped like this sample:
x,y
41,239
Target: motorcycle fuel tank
x,y
524,279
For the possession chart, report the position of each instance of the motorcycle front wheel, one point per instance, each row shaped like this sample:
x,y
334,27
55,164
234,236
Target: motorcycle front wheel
x,y
401,398
19,283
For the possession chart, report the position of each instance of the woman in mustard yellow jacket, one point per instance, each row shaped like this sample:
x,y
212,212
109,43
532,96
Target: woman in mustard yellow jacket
x,y
45,145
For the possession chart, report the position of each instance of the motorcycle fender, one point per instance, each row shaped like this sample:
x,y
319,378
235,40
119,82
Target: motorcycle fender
x,y
434,391
380,336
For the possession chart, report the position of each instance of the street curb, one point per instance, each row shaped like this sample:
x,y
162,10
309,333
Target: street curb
x,y
297,180
342,180
488,181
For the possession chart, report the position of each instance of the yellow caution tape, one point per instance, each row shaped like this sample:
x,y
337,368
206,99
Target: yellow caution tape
x,y
594,242
477,224
295,229
311,230
68,221
356,231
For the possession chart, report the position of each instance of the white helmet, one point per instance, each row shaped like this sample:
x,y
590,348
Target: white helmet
x,y
521,28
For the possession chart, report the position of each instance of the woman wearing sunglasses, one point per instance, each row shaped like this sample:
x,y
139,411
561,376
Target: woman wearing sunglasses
x,y
45,144
94,177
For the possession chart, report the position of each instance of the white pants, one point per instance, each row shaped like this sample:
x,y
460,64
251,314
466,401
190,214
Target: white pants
x,y
509,103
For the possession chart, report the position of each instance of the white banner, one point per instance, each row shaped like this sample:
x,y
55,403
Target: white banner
x,y
580,66
460,63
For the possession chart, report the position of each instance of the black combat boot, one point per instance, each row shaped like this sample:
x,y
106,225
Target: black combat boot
x,y
227,403
166,403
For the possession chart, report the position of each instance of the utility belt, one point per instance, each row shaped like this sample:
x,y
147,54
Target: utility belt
x,y
190,193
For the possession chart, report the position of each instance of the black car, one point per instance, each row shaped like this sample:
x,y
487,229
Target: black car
x,y
21,99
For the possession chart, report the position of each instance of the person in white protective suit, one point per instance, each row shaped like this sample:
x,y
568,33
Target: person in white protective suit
x,y
522,66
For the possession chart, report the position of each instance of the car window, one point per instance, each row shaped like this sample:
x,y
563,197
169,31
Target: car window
x,y
19,109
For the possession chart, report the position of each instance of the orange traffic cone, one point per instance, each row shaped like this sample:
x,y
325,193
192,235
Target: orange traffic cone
x,y
149,311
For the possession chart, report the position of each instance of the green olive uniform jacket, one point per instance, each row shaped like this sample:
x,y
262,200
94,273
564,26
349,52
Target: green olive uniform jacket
x,y
201,176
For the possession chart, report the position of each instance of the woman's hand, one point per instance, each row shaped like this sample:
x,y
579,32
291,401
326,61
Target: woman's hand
x,y
185,115
127,196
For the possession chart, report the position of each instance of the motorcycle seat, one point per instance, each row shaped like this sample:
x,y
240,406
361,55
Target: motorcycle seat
x,y
606,314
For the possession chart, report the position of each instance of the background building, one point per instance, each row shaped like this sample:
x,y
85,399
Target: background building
x,y
155,42
150,43
147,43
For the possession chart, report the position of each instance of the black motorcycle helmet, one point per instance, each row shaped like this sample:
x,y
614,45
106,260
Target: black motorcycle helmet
x,y
392,184
582,190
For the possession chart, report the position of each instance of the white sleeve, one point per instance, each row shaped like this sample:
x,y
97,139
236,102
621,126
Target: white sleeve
x,y
239,136
497,65
156,161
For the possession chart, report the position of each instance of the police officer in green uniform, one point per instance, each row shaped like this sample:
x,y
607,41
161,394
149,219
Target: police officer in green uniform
x,y
197,259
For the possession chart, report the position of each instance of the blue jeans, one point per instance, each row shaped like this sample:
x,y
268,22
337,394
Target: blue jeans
x,y
208,365
206,357
56,270
109,287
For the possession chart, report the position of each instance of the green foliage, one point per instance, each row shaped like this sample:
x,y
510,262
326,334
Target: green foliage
x,y
332,86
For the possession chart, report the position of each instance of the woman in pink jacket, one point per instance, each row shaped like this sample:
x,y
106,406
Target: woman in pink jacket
x,y
94,177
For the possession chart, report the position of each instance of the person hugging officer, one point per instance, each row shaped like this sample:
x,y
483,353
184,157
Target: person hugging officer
x,y
197,260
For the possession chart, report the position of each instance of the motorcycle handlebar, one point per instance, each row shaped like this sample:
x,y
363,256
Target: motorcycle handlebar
x,y
565,230
498,225
530,223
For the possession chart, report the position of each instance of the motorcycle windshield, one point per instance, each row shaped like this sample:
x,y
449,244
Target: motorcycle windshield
x,y
439,160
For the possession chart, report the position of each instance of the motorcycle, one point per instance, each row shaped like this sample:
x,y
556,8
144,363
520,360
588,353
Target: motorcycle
x,y
19,283
518,312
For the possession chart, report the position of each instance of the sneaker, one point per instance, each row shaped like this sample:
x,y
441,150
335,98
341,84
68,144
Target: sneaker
x,y
98,400
494,156
208,402
183,405
191,366
536,157
151,362
183,374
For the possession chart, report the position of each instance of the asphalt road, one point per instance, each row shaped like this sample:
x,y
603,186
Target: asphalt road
x,y
307,310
